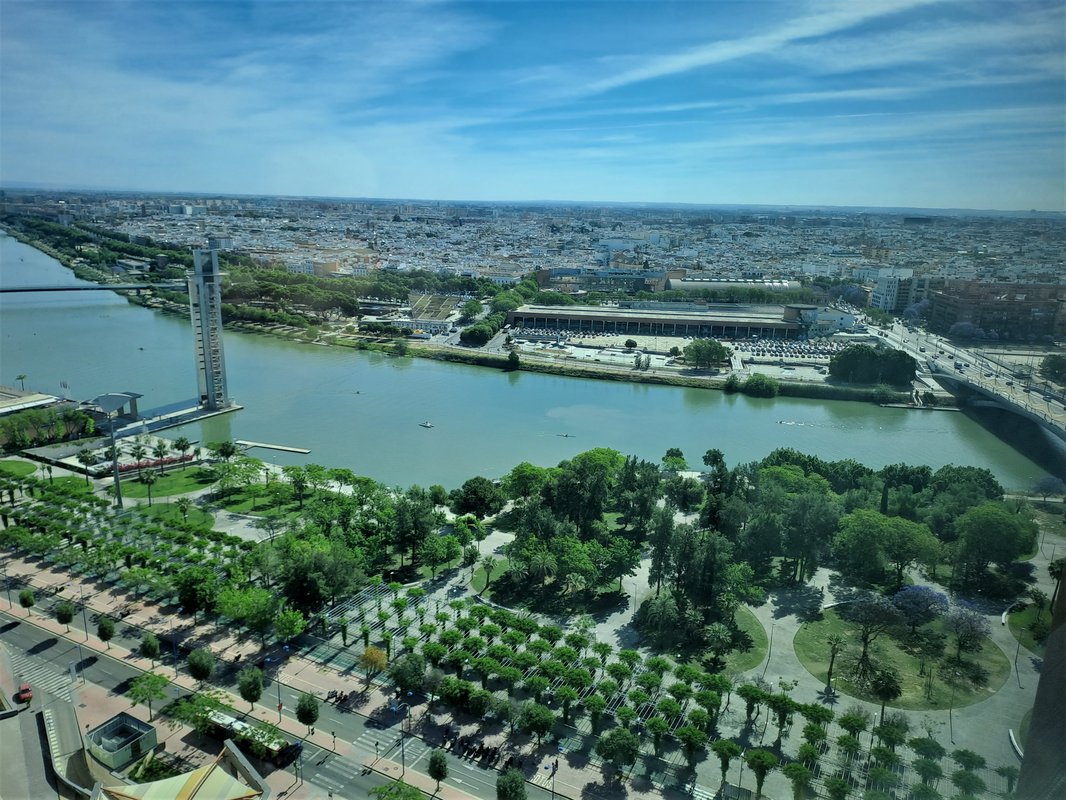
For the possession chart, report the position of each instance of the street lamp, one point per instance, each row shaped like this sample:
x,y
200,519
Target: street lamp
x,y
173,639
7,586
951,706
114,463
84,617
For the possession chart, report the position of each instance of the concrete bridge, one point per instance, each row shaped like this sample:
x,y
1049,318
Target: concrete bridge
x,y
1044,409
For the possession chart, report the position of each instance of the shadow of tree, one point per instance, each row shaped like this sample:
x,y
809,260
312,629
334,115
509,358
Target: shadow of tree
x,y
804,601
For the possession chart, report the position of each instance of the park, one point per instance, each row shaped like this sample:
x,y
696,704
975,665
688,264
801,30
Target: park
x,y
791,626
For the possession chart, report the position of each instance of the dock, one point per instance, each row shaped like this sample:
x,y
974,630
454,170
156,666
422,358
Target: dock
x,y
244,445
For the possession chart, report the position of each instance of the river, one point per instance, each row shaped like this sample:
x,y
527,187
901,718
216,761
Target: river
x,y
362,410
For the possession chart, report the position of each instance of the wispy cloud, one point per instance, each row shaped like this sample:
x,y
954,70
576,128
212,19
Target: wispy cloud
x,y
444,99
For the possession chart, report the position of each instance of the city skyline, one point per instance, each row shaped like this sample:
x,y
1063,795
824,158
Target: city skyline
x,y
900,103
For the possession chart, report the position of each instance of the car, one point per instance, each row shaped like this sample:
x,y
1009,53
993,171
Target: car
x,y
24,694
988,374
1010,383
921,349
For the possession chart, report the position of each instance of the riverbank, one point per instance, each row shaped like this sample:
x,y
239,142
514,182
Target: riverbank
x,y
473,357
478,358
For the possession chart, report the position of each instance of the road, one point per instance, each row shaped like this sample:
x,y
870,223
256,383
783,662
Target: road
x,y
46,661
983,372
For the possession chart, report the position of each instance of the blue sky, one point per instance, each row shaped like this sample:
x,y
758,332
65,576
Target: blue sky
x,y
862,102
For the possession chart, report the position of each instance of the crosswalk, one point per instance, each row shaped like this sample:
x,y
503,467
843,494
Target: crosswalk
x,y
701,793
336,773
386,743
40,676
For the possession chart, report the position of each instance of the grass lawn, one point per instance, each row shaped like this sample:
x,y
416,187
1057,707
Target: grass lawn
x,y
168,512
737,662
1019,623
812,649
169,483
72,483
427,574
478,582
256,502
20,469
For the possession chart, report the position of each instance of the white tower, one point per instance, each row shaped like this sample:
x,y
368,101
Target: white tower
x,y
205,307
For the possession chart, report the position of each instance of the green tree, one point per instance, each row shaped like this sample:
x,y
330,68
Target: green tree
x,y
86,459
289,624
705,353
1010,774
184,505
146,688
992,534
250,684
537,720
618,746
885,686
397,791
470,310
181,446
837,788
726,750
307,710
510,785
438,766
478,496
760,762
105,630
65,613
692,739
800,777
408,672
27,600
150,647
968,782
201,664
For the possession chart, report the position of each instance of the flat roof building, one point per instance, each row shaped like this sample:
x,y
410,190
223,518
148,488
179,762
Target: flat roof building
x,y
724,321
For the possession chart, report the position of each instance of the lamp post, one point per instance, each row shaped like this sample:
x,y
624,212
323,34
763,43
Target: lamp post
x,y
403,737
951,706
173,639
114,464
84,614
7,586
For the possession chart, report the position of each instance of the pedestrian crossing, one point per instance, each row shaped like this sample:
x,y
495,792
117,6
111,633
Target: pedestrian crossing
x,y
386,743
337,775
701,793
40,676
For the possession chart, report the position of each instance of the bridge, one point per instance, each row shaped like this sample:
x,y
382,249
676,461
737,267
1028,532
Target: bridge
x,y
94,287
985,377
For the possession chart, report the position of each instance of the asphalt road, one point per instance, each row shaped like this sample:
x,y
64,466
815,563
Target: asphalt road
x,y
48,654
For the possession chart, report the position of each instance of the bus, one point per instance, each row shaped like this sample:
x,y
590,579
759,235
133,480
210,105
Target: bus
x,y
261,741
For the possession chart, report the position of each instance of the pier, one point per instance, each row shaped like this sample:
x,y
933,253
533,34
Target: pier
x,y
244,445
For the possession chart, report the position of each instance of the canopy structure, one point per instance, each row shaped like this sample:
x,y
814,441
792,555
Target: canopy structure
x,y
209,782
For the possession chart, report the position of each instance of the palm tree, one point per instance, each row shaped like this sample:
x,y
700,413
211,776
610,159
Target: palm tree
x,y
184,505
138,452
181,446
148,478
21,378
488,563
86,459
543,566
160,450
885,687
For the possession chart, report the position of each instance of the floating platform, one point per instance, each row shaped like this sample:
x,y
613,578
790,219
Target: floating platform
x,y
283,448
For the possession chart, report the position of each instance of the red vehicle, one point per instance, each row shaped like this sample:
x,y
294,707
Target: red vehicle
x,y
24,694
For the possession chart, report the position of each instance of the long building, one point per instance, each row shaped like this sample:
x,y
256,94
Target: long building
x,y
725,321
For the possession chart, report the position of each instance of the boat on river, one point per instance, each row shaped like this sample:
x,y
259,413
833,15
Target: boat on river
x,y
426,424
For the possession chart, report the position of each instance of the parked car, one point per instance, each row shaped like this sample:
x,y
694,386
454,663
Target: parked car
x,y
25,693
